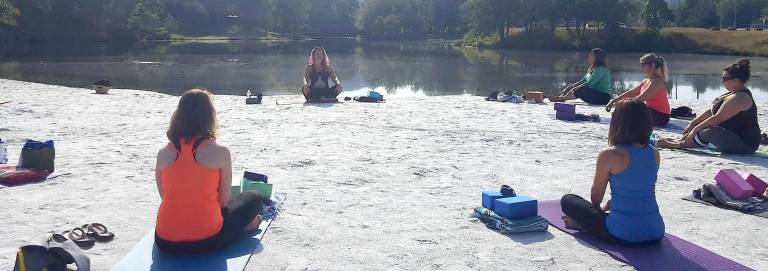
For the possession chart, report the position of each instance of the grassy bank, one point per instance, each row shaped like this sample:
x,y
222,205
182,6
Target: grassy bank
x,y
268,36
671,39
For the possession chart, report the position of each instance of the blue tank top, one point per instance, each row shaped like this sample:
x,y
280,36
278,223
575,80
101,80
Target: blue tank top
x,y
634,215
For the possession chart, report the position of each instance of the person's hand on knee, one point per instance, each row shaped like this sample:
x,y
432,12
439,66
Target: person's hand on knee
x,y
606,206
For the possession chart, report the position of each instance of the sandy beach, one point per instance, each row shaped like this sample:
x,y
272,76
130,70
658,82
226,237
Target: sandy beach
x,y
387,186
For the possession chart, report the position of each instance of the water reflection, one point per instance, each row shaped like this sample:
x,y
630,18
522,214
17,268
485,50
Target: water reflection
x,y
398,69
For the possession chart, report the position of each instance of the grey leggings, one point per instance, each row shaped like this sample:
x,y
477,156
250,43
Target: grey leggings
x,y
725,141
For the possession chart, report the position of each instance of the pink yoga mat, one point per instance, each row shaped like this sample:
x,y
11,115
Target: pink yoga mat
x,y
671,254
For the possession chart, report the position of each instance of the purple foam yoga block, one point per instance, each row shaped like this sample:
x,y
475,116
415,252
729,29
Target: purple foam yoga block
x,y
756,183
489,197
565,107
516,207
734,185
564,111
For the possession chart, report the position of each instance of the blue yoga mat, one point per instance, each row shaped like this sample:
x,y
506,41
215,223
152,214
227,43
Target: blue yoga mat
x,y
146,256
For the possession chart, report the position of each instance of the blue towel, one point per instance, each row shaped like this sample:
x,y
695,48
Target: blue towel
x,y
503,225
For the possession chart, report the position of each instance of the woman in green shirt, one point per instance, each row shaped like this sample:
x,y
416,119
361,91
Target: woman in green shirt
x,y
595,86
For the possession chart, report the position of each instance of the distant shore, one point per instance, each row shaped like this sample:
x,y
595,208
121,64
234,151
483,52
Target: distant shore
x,y
669,39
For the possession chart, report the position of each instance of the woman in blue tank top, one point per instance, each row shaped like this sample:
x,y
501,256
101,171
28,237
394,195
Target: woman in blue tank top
x,y
630,166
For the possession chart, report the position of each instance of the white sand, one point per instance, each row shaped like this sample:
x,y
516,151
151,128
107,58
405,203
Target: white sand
x,y
370,186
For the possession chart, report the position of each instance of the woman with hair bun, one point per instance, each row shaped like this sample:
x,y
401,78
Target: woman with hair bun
x,y
652,90
731,124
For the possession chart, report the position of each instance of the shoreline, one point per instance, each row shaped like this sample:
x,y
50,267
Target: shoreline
x,y
387,186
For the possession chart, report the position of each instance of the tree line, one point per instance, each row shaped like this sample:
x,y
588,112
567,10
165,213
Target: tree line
x,y
32,20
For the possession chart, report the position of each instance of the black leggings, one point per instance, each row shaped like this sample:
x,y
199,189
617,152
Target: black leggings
x,y
659,119
320,93
592,96
592,220
237,215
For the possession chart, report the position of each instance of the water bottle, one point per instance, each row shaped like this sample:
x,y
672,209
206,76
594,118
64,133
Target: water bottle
x,y
3,152
248,93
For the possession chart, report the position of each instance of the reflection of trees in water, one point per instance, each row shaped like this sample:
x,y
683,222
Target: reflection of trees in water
x,y
453,71
276,67
393,67
701,84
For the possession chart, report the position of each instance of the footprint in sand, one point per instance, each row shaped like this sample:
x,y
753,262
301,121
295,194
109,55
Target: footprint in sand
x,y
302,163
427,242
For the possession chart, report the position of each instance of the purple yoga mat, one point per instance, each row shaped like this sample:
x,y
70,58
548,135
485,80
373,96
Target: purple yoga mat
x,y
671,254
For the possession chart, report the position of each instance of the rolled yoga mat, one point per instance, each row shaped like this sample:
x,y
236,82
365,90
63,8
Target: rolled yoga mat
x,y
146,256
671,253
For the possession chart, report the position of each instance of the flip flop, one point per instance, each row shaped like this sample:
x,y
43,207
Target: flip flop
x,y
99,232
80,237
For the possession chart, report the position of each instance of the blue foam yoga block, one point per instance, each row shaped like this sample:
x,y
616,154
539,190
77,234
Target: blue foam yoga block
x,y
516,207
489,197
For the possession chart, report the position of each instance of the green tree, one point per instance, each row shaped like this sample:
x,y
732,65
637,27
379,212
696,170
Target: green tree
x,y
291,16
656,14
147,20
338,18
699,13
8,13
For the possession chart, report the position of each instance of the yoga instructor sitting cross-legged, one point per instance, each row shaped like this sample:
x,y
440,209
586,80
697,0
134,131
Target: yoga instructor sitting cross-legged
x,y
318,76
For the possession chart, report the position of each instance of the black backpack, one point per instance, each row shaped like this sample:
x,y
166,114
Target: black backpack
x,y
52,253
683,112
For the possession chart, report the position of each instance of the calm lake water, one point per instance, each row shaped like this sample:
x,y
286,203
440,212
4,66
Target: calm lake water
x,y
396,68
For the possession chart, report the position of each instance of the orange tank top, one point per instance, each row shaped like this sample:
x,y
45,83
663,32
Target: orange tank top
x,y
190,209
659,102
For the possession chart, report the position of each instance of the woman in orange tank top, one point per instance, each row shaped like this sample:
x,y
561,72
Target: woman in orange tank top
x,y
652,90
194,178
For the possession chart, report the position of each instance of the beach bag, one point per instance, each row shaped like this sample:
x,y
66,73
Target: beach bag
x,y
38,155
52,253
3,152
683,112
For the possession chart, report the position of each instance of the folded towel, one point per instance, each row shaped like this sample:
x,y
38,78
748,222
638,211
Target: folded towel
x,y
529,224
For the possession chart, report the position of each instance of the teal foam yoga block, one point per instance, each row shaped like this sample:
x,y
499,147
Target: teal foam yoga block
x,y
516,207
489,197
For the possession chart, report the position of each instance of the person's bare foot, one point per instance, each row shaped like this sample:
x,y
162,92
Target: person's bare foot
x,y
666,143
255,223
662,143
571,224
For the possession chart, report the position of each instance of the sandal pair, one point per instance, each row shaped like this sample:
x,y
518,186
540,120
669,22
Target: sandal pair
x,y
87,235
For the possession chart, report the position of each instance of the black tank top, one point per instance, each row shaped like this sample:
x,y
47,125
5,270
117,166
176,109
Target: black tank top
x,y
744,123
316,76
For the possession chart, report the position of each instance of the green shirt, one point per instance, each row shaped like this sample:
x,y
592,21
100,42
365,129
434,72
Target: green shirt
x,y
598,79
